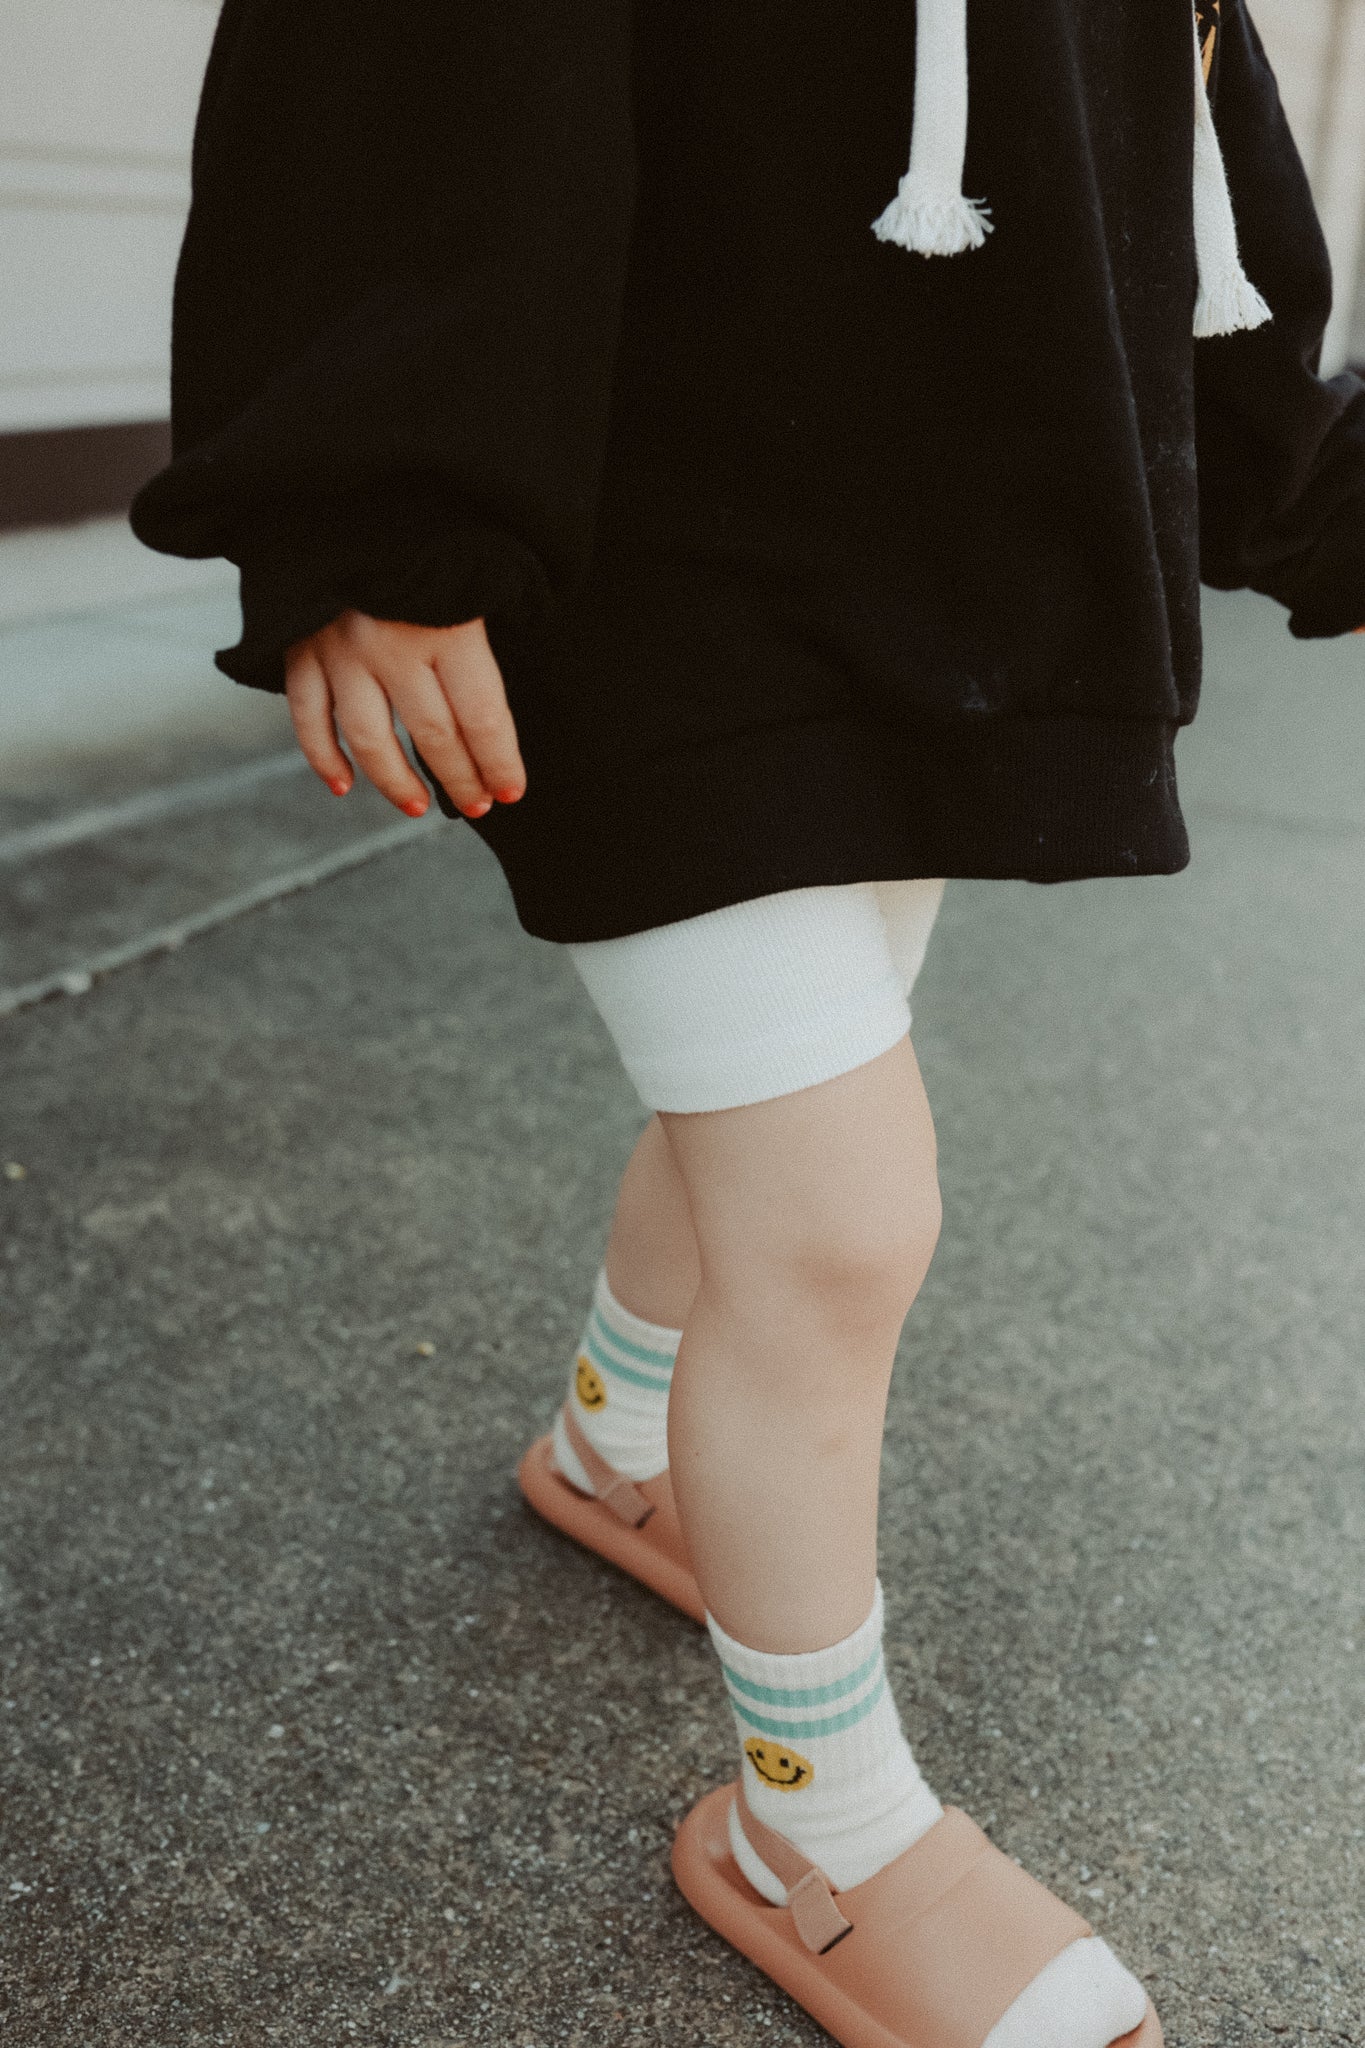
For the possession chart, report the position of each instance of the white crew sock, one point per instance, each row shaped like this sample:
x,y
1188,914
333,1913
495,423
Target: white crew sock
x,y
826,1763
618,1389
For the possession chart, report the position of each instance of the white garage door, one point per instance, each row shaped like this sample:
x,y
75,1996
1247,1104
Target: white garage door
x,y
97,101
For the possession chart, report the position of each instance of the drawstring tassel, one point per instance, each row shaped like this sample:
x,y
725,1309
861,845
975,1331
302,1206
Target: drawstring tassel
x,y
929,214
1228,301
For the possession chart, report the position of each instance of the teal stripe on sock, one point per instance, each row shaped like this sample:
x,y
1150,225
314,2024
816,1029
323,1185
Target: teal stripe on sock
x,y
803,1697
606,1356
802,1731
624,1372
661,1360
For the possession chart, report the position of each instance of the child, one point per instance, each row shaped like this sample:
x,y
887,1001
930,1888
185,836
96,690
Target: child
x,y
747,542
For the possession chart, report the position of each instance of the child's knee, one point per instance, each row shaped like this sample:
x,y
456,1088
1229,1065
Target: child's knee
x,y
856,1269
869,1269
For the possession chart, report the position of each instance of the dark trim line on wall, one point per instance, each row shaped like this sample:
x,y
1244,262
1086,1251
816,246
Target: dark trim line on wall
x,y
63,473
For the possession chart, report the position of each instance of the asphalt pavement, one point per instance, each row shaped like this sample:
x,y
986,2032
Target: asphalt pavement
x,y
310,1734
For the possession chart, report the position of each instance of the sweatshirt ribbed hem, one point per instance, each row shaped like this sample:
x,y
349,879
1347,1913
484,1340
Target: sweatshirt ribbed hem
x,y
838,800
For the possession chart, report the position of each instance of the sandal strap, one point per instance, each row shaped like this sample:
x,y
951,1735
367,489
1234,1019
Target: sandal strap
x,y
611,1487
963,1918
810,1895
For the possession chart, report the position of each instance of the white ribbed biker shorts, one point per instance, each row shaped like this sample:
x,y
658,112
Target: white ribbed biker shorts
x,y
763,997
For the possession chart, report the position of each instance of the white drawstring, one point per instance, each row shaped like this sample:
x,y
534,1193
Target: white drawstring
x,y
931,216
1228,301
929,213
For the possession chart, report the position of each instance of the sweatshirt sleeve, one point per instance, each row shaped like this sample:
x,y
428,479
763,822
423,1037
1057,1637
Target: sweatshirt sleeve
x,y
1281,451
396,309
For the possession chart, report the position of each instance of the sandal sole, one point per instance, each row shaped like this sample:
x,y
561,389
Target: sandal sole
x,y
586,1520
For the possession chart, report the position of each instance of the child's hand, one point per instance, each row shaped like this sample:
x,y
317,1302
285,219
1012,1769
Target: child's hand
x,y
445,685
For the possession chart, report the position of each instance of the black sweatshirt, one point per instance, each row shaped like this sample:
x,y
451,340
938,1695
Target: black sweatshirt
x,y
806,558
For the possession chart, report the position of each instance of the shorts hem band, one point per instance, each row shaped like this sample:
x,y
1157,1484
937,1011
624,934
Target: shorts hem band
x,y
763,1069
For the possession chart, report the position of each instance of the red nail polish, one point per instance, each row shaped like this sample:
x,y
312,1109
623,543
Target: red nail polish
x,y
509,796
417,808
340,786
478,810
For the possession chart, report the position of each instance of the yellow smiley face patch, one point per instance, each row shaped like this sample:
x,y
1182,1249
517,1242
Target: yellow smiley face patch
x,y
589,1385
785,1770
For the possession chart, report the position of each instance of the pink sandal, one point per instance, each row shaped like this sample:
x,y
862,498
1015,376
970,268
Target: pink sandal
x,y
929,1953
633,1526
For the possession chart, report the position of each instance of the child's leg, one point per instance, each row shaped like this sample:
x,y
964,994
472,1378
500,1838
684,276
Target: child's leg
x,y
651,1258
622,1369
816,1216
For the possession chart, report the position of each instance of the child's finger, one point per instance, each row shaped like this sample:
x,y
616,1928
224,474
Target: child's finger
x,y
310,710
472,681
420,702
365,718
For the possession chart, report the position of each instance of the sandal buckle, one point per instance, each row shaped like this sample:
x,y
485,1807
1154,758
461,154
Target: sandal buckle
x,y
627,1503
817,1919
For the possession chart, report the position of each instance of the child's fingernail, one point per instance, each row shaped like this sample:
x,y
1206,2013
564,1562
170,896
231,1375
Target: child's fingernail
x,y
416,807
509,796
478,810
339,786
